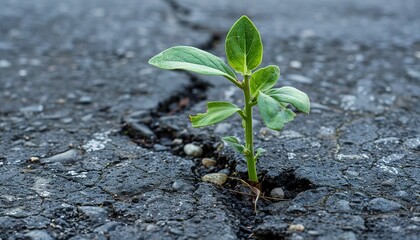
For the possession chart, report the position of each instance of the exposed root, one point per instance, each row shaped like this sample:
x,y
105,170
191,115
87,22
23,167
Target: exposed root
x,y
255,193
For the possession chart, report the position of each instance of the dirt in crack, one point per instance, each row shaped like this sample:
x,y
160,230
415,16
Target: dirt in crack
x,y
161,130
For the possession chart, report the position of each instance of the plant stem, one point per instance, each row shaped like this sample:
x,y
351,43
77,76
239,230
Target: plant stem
x,y
249,138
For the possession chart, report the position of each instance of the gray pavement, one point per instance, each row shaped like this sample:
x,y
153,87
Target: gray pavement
x,y
92,137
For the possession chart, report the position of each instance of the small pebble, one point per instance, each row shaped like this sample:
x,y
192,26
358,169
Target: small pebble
x,y
296,209
222,128
193,150
295,64
225,171
38,235
208,162
32,109
85,100
66,156
277,193
343,206
215,178
151,227
298,78
176,231
351,173
107,227
413,73
23,73
402,194
348,236
413,143
4,63
267,134
296,228
182,186
141,130
95,214
314,233
389,182
383,205
159,148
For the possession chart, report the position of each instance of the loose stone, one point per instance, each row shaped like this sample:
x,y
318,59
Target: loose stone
x,y
348,236
208,162
4,63
267,134
389,182
181,185
296,209
277,193
314,233
38,235
351,173
295,64
222,128
215,178
32,109
413,73
66,156
296,228
177,141
151,227
193,150
299,78
159,148
413,143
96,214
343,206
225,171
85,100
107,227
383,205
142,130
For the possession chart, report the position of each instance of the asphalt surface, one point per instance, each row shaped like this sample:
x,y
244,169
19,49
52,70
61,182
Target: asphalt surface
x,y
92,137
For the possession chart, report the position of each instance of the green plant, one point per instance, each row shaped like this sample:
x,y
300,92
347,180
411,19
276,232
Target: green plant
x,y
244,51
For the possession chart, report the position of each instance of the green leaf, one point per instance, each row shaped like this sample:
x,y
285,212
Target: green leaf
x,y
192,59
273,114
264,79
291,95
234,143
217,111
260,151
244,49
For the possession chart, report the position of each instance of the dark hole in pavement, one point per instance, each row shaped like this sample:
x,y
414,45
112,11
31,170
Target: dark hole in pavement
x,y
215,39
184,99
291,185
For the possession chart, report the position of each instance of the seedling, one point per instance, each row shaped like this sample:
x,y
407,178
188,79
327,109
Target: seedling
x,y
244,51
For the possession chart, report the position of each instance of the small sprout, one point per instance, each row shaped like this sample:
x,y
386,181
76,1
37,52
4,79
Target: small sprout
x,y
244,51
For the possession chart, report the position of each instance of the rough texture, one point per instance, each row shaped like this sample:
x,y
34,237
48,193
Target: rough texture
x,y
92,138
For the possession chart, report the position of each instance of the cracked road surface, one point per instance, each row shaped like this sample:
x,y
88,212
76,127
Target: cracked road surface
x,y
92,137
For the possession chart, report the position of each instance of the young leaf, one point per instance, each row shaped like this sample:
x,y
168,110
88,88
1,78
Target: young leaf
x,y
260,151
234,143
264,79
192,59
272,113
243,46
217,111
291,95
